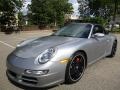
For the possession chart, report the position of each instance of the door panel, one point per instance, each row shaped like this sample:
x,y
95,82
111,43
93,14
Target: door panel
x,y
102,45
99,43
108,46
97,47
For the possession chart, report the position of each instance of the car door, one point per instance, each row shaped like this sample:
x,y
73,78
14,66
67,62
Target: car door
x,y
108,43
99,43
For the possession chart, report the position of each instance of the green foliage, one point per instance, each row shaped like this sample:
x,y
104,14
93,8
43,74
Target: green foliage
x,y
115,31
108,7
100,10
10,5
20,18
83,8
98,20
6,5
18,4
46,12
8,8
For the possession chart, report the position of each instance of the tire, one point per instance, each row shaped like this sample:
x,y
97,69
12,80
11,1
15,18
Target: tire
x,y
75,68
114,48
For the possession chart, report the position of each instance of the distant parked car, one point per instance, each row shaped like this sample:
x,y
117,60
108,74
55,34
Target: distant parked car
x,y
60,57
10,28
116,25
108,27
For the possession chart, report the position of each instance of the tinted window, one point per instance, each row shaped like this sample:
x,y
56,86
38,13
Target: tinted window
x,y
75,30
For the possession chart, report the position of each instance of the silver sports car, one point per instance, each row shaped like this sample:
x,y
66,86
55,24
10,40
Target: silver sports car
x,y
60,57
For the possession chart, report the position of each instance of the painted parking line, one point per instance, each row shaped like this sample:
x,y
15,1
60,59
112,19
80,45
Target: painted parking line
x,y
7,44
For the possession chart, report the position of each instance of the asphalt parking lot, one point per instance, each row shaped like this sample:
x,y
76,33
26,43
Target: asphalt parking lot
x,y
103,75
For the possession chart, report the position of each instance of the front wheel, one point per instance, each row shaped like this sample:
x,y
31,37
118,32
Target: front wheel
x,y
75,68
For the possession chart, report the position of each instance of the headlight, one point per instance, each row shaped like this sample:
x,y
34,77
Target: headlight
x,y
45,56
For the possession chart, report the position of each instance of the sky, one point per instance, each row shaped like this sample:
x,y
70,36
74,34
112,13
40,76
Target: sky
x,y
74,2
24,9
75,6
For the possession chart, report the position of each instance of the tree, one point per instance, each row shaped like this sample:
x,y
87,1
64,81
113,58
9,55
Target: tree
x,y
115,11
100,8
84,8
103,9
115,4
8,9
49,11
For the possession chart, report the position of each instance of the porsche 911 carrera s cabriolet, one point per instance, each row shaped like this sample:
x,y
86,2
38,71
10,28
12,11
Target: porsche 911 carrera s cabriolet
x,y
60,57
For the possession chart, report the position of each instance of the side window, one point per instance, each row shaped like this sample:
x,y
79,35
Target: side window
x,y
98,29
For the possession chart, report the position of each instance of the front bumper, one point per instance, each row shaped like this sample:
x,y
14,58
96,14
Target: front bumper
x,y
56,74
33,81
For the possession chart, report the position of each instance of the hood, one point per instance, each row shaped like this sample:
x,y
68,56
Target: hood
x,y
37,46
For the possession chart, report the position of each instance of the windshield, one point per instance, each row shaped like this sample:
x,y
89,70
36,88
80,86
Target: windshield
x,y
74,30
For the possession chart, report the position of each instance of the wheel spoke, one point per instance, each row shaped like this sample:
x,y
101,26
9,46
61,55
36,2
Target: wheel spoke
x,y
77,67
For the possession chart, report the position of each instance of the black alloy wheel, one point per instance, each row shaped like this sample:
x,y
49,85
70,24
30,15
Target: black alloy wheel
x,y
75,68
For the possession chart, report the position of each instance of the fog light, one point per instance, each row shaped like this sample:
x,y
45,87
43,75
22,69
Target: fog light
x,y
37,72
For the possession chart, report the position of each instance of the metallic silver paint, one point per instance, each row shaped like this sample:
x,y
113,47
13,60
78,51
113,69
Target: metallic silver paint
x,y
23,57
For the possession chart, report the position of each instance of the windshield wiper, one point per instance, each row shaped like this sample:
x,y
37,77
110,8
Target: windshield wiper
x,y
62,35
65,35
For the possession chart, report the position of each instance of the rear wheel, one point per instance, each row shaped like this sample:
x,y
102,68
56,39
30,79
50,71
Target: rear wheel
x,y
114,48
75,68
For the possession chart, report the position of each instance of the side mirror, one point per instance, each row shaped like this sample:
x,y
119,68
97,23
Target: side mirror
x,y
98,35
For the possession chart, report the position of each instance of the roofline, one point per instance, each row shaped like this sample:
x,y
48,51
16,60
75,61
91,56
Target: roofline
x,y
85,23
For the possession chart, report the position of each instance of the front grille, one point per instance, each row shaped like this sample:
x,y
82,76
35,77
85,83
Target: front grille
x,y
29,80
25,79
13,74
